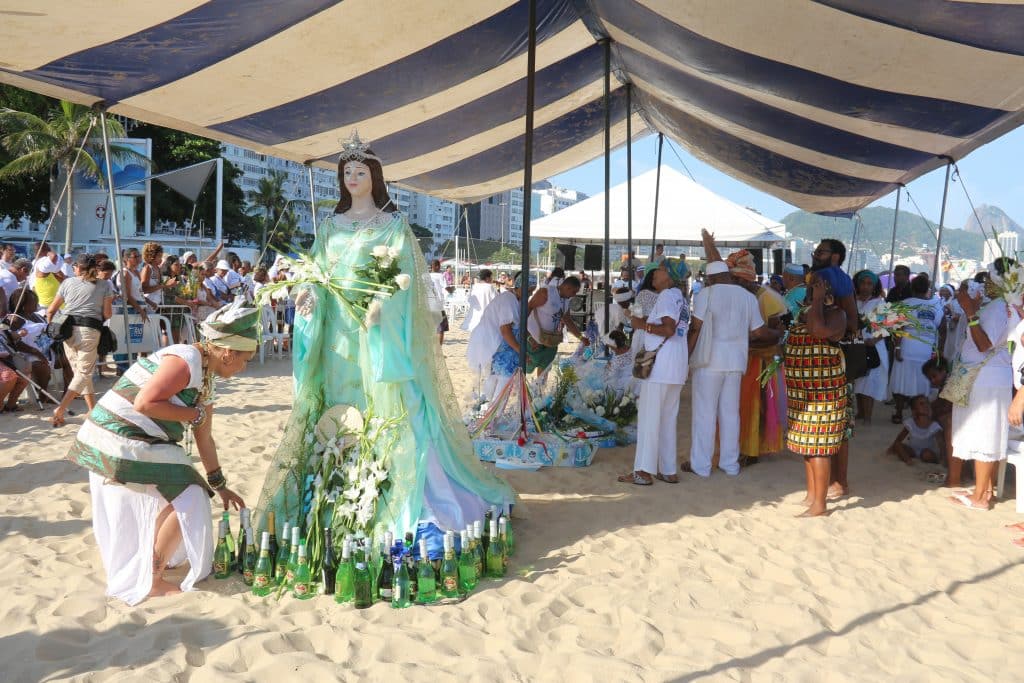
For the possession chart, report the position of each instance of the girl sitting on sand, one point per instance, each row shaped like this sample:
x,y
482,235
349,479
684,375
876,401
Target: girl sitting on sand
x,y
919,437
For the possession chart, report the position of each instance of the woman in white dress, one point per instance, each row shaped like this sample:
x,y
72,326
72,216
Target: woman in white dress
x,y
911,353
875,385
151,507
981,425
480,294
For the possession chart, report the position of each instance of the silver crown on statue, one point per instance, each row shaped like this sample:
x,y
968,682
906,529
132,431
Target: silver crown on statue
x,y
354,149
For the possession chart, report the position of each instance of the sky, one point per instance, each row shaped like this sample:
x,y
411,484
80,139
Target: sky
x,y
992,174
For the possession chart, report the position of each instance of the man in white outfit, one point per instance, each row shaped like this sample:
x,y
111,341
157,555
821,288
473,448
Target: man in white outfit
x,y
718,355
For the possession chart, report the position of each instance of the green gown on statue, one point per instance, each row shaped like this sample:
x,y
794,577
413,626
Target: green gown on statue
x,y
398,368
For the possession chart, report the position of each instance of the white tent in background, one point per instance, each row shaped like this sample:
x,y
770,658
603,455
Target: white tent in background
x,y
684,208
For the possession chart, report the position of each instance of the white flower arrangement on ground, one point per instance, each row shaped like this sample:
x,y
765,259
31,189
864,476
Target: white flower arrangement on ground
x,y
361,295
346,473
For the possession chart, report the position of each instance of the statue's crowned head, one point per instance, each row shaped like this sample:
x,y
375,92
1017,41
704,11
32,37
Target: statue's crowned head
x,y
355,160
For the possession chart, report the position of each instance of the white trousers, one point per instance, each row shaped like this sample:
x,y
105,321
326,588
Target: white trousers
x,y
716,400
657,417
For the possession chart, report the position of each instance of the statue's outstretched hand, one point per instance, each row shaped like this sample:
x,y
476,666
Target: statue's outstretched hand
x,y
305,302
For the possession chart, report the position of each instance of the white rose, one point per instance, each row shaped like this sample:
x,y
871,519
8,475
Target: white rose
x,y
403,281
379,251
393,253
615,411
599,410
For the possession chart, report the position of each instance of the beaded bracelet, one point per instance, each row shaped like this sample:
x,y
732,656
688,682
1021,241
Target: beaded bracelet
x,y
216,479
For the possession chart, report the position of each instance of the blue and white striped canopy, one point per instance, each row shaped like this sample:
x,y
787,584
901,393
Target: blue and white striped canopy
x,y
826,104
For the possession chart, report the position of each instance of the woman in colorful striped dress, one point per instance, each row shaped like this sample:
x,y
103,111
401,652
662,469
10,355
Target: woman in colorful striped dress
x,y
817,393
150,505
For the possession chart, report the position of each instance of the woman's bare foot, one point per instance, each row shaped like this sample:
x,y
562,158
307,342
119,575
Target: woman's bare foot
x,y
835,491
161,588
807,501
58,418
814,511
1019,526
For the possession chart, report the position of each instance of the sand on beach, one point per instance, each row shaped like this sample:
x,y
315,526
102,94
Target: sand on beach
x,y
704,580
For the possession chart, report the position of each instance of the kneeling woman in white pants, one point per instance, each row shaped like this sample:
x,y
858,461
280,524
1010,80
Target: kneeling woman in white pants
x,y
658,409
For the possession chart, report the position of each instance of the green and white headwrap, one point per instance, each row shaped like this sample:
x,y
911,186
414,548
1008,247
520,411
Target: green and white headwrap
x,y
233,327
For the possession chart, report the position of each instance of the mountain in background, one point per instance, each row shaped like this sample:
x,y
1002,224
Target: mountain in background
x,y
993,218
912,232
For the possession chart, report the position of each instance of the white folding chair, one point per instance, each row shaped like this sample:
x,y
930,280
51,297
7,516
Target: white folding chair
x,y
271,333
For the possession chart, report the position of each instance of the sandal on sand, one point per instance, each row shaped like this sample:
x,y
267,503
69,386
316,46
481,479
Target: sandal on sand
x,y
964,501
667,478
635,478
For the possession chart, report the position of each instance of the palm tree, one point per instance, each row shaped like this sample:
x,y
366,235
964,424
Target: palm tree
x,y
269,198
52,145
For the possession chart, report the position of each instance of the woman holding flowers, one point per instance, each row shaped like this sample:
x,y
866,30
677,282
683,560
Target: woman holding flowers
x,y
365,310
875,385
912,351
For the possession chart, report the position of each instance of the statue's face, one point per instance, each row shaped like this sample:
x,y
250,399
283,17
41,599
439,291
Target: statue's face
x,y
357,179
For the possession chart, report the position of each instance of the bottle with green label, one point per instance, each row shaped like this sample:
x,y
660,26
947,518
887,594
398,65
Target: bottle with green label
x,y
243,522
467,566
344,581
478,549
363,584
386,579
503,537
249,557
449,569
302,582
426,579
226,518
281,559
222,554
509,538
495,554
272,530
261,575
401,594
293,559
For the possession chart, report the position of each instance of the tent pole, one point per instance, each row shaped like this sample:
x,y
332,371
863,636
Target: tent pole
x,y
942,220
895,220
657,193
312,197
219,208
531,73
114,225
607,179
629,181
853,242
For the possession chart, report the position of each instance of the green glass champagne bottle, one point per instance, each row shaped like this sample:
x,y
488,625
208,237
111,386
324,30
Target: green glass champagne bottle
x,y
449,569
226,518
509,538
293,559
281,559
344,581
363,585
329,566
410,565
495,554
467,566
222,554
485,539
401,594
243,524
386,579
426,592
503,536
249,557
261,577
478,549
272,530
302,581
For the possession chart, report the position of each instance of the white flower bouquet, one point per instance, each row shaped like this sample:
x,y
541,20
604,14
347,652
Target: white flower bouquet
x,y
1010,284
892,320
346,473
360,295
